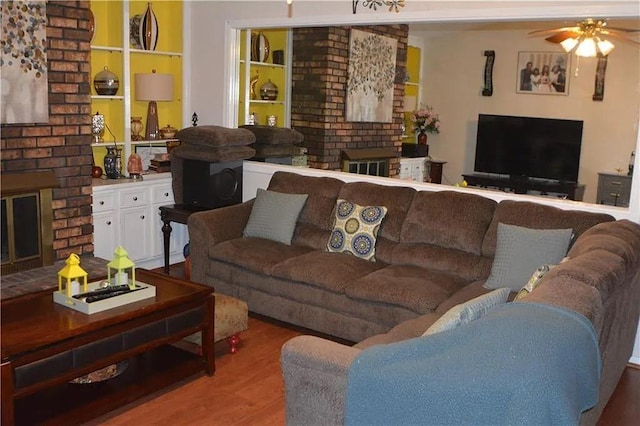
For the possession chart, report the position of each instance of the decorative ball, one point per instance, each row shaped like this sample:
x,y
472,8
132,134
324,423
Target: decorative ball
x,y
106,83
96,172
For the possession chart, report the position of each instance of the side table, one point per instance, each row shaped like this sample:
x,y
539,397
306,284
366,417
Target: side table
x,y
178,213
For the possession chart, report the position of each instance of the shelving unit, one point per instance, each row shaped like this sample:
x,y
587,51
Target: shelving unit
x,y
111,46
412,88
279,74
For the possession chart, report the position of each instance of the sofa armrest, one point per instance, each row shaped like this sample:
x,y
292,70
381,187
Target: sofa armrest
x,y
212,227
315,378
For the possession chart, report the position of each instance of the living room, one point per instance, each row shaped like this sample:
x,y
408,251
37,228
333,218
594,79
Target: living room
x,y
216,20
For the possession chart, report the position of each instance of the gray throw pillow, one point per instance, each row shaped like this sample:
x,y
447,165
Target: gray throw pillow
x,y
520,251
274,216
468,311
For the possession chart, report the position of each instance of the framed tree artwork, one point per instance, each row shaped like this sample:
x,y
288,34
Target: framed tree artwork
x,y
543,73
371,75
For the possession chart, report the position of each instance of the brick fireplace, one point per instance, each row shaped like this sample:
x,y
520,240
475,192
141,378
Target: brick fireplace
x,y
319,87
63,145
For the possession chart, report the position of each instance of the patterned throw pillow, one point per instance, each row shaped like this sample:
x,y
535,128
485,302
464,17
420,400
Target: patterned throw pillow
x,y
355,229
534,281
468,311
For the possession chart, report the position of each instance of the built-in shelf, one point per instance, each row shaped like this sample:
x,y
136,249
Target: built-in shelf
x,y
155,52
108,48
106,97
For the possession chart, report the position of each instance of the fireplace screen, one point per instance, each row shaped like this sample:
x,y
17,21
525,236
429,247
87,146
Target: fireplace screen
x,y
26,226
20,228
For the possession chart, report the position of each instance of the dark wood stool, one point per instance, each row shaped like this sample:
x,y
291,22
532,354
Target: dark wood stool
x,y
178,213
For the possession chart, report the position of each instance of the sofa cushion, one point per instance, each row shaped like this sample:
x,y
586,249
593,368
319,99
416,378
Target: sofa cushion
x,y
448,219
405,330
411,287
215,136
355,229
532,215
316,219
333,271
267,135
463,264
468,311
256,254
274,215
521,250
621,237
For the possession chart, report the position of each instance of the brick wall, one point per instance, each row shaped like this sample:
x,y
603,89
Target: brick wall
x,y
64,143
318,100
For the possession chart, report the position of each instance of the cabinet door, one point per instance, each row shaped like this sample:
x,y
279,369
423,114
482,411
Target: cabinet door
x,y
105,234
135,225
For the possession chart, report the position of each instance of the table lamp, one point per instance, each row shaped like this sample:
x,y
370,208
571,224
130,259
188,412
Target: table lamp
x,y
153,87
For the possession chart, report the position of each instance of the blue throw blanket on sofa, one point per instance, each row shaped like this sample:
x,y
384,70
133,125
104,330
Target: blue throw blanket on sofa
x,y
523,363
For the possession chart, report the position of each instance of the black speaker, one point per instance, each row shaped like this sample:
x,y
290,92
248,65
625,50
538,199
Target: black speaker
x,y
212,185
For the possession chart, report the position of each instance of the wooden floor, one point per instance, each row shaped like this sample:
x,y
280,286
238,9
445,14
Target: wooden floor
x,y
247,389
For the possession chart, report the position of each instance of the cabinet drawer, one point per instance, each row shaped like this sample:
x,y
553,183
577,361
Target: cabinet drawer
x,y
133,198
162,195
104,201
613,183
417,167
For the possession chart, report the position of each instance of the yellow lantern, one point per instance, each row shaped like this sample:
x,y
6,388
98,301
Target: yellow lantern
x,y
122,268
70,276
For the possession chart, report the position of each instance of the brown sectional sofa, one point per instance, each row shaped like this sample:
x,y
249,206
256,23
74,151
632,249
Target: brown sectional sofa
x,y
434,250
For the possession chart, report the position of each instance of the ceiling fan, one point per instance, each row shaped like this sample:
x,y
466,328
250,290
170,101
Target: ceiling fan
x,y
588,38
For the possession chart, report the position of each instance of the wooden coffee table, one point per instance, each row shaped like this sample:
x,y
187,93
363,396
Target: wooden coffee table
x,y
45,345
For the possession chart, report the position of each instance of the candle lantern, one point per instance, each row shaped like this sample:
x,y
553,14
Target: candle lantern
x,y
70,277
121,270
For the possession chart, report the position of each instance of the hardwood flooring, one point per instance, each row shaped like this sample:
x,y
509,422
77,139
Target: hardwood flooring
x,y
247,389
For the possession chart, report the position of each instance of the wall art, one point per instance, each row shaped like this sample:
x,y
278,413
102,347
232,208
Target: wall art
x,y
23,63
543,73
371,76
601,70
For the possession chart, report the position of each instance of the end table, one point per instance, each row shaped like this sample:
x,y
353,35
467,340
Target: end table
x,y
178,213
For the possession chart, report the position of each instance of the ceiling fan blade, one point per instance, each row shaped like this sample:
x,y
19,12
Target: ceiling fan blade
x,y
623,38
562,36
622,30
554,30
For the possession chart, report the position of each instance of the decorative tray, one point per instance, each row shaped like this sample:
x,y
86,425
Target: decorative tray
x,y
141,292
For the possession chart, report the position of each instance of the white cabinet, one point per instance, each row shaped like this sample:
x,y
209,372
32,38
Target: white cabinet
x,y
127,213
413,168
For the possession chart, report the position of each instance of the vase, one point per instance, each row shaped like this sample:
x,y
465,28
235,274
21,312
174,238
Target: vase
x,y
111,163
149,29
106,83
136,128
269,91
259,47
422,138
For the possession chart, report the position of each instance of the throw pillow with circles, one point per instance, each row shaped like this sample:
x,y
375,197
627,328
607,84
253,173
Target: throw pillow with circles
x,y
355,229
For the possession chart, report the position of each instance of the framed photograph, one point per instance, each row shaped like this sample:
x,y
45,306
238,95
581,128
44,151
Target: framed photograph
x,y
543,73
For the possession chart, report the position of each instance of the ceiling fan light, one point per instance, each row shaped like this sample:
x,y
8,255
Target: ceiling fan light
x,y
568,44
605,47
587,48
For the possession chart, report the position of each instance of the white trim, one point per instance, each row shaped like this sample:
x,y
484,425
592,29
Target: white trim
x,y
542,11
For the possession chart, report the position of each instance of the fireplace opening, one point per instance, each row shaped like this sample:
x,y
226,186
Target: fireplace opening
x,y
27,217
368,161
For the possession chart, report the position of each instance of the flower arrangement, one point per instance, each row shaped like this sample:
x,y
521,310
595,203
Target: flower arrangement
x,y
426,120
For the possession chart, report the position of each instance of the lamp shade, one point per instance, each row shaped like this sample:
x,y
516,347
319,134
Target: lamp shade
x,y
154,87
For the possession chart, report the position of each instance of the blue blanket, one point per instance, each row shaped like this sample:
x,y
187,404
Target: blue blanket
x,y
522,363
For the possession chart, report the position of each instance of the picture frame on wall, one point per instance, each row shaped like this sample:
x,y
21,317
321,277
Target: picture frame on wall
x,y
543,73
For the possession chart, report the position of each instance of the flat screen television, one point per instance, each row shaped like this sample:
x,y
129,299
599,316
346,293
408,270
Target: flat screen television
x,y
529,147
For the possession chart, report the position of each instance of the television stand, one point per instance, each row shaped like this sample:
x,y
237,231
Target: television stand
x,y
574,191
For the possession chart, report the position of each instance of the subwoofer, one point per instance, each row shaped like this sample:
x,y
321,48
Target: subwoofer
x,y
212,185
